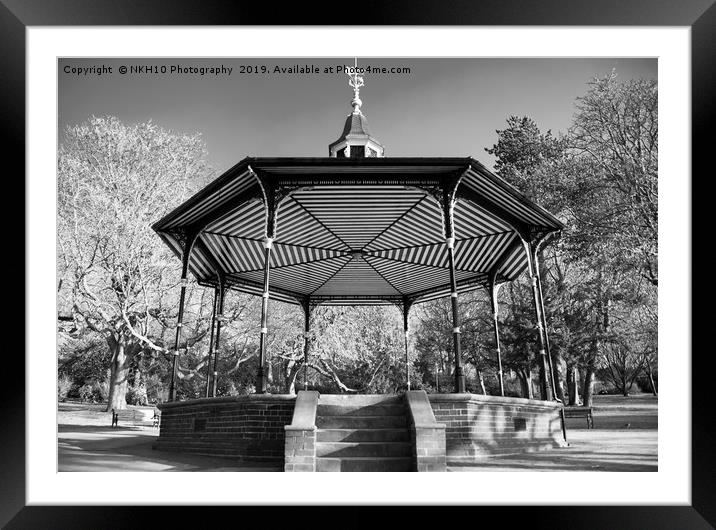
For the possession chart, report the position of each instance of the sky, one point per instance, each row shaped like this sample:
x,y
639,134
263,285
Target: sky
x,y
447,107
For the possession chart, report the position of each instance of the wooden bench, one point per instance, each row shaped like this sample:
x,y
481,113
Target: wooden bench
x,y
140,417
580,412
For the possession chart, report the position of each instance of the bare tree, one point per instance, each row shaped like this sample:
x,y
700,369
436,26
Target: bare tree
x,y
616,128
621,367
114,180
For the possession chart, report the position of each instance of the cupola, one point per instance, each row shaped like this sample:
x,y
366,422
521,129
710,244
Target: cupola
x,y
355,140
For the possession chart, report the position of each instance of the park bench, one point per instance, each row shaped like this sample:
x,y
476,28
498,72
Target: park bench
x,y
137,417
580,412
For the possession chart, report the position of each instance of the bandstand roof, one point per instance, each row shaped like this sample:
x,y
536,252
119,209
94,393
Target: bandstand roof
x,y
355,231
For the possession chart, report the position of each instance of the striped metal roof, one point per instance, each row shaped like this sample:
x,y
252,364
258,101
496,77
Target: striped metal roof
x,y
355,231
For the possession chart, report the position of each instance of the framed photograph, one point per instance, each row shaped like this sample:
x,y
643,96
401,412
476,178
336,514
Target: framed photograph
x,y
286,108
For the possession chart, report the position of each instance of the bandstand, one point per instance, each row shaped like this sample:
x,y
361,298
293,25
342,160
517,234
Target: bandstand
x,y
357,228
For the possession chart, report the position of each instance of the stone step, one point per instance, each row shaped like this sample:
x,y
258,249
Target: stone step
x,y
363,449
375,464
353,400
379,409
363,435
360,422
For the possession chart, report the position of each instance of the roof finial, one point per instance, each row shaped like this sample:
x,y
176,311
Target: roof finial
x,y
356,81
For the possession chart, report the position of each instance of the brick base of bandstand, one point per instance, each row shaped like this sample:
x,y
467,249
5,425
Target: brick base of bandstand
x,y
248,428
427,433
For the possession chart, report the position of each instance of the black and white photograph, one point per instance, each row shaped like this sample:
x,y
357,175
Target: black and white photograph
x,y
417,247
357,264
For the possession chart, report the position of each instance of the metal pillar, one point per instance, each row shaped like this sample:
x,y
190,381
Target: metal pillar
x,y
306,331
406,313
494,288
219,320
188,244
211,341
459,375
552,370
437,379
545,372
261,383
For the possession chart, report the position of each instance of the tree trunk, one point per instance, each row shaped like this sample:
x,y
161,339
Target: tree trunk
x,y
291,385
117,399
525,377
588,390
269,372
559,372
481,380
651,378
292,369
573,385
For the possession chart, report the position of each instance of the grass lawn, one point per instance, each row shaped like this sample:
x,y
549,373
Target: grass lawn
x,y
71,414
639,411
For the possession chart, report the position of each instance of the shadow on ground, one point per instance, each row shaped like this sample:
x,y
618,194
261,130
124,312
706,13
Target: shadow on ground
x,y
64,427
97,448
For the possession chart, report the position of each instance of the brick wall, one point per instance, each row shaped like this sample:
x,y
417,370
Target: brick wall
x,y
300,450
250,427
429,448
477,425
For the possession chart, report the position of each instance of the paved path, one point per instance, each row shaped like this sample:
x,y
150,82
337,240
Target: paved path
x,y
589,450
100,448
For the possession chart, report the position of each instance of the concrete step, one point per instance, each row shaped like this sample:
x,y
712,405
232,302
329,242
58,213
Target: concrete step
x,y
361,422
375,464
363,449
379,409
363,435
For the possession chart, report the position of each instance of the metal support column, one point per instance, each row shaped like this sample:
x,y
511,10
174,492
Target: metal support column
x,y
437,379
545,372
211,340
306,345
184,282
406,314
459,375
219,320
494,288
261,383
552,369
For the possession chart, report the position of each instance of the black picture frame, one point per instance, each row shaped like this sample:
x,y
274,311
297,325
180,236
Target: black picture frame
x,y
699,15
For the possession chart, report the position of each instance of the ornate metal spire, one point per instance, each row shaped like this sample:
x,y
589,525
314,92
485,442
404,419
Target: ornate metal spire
x,y
356,81
355,140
